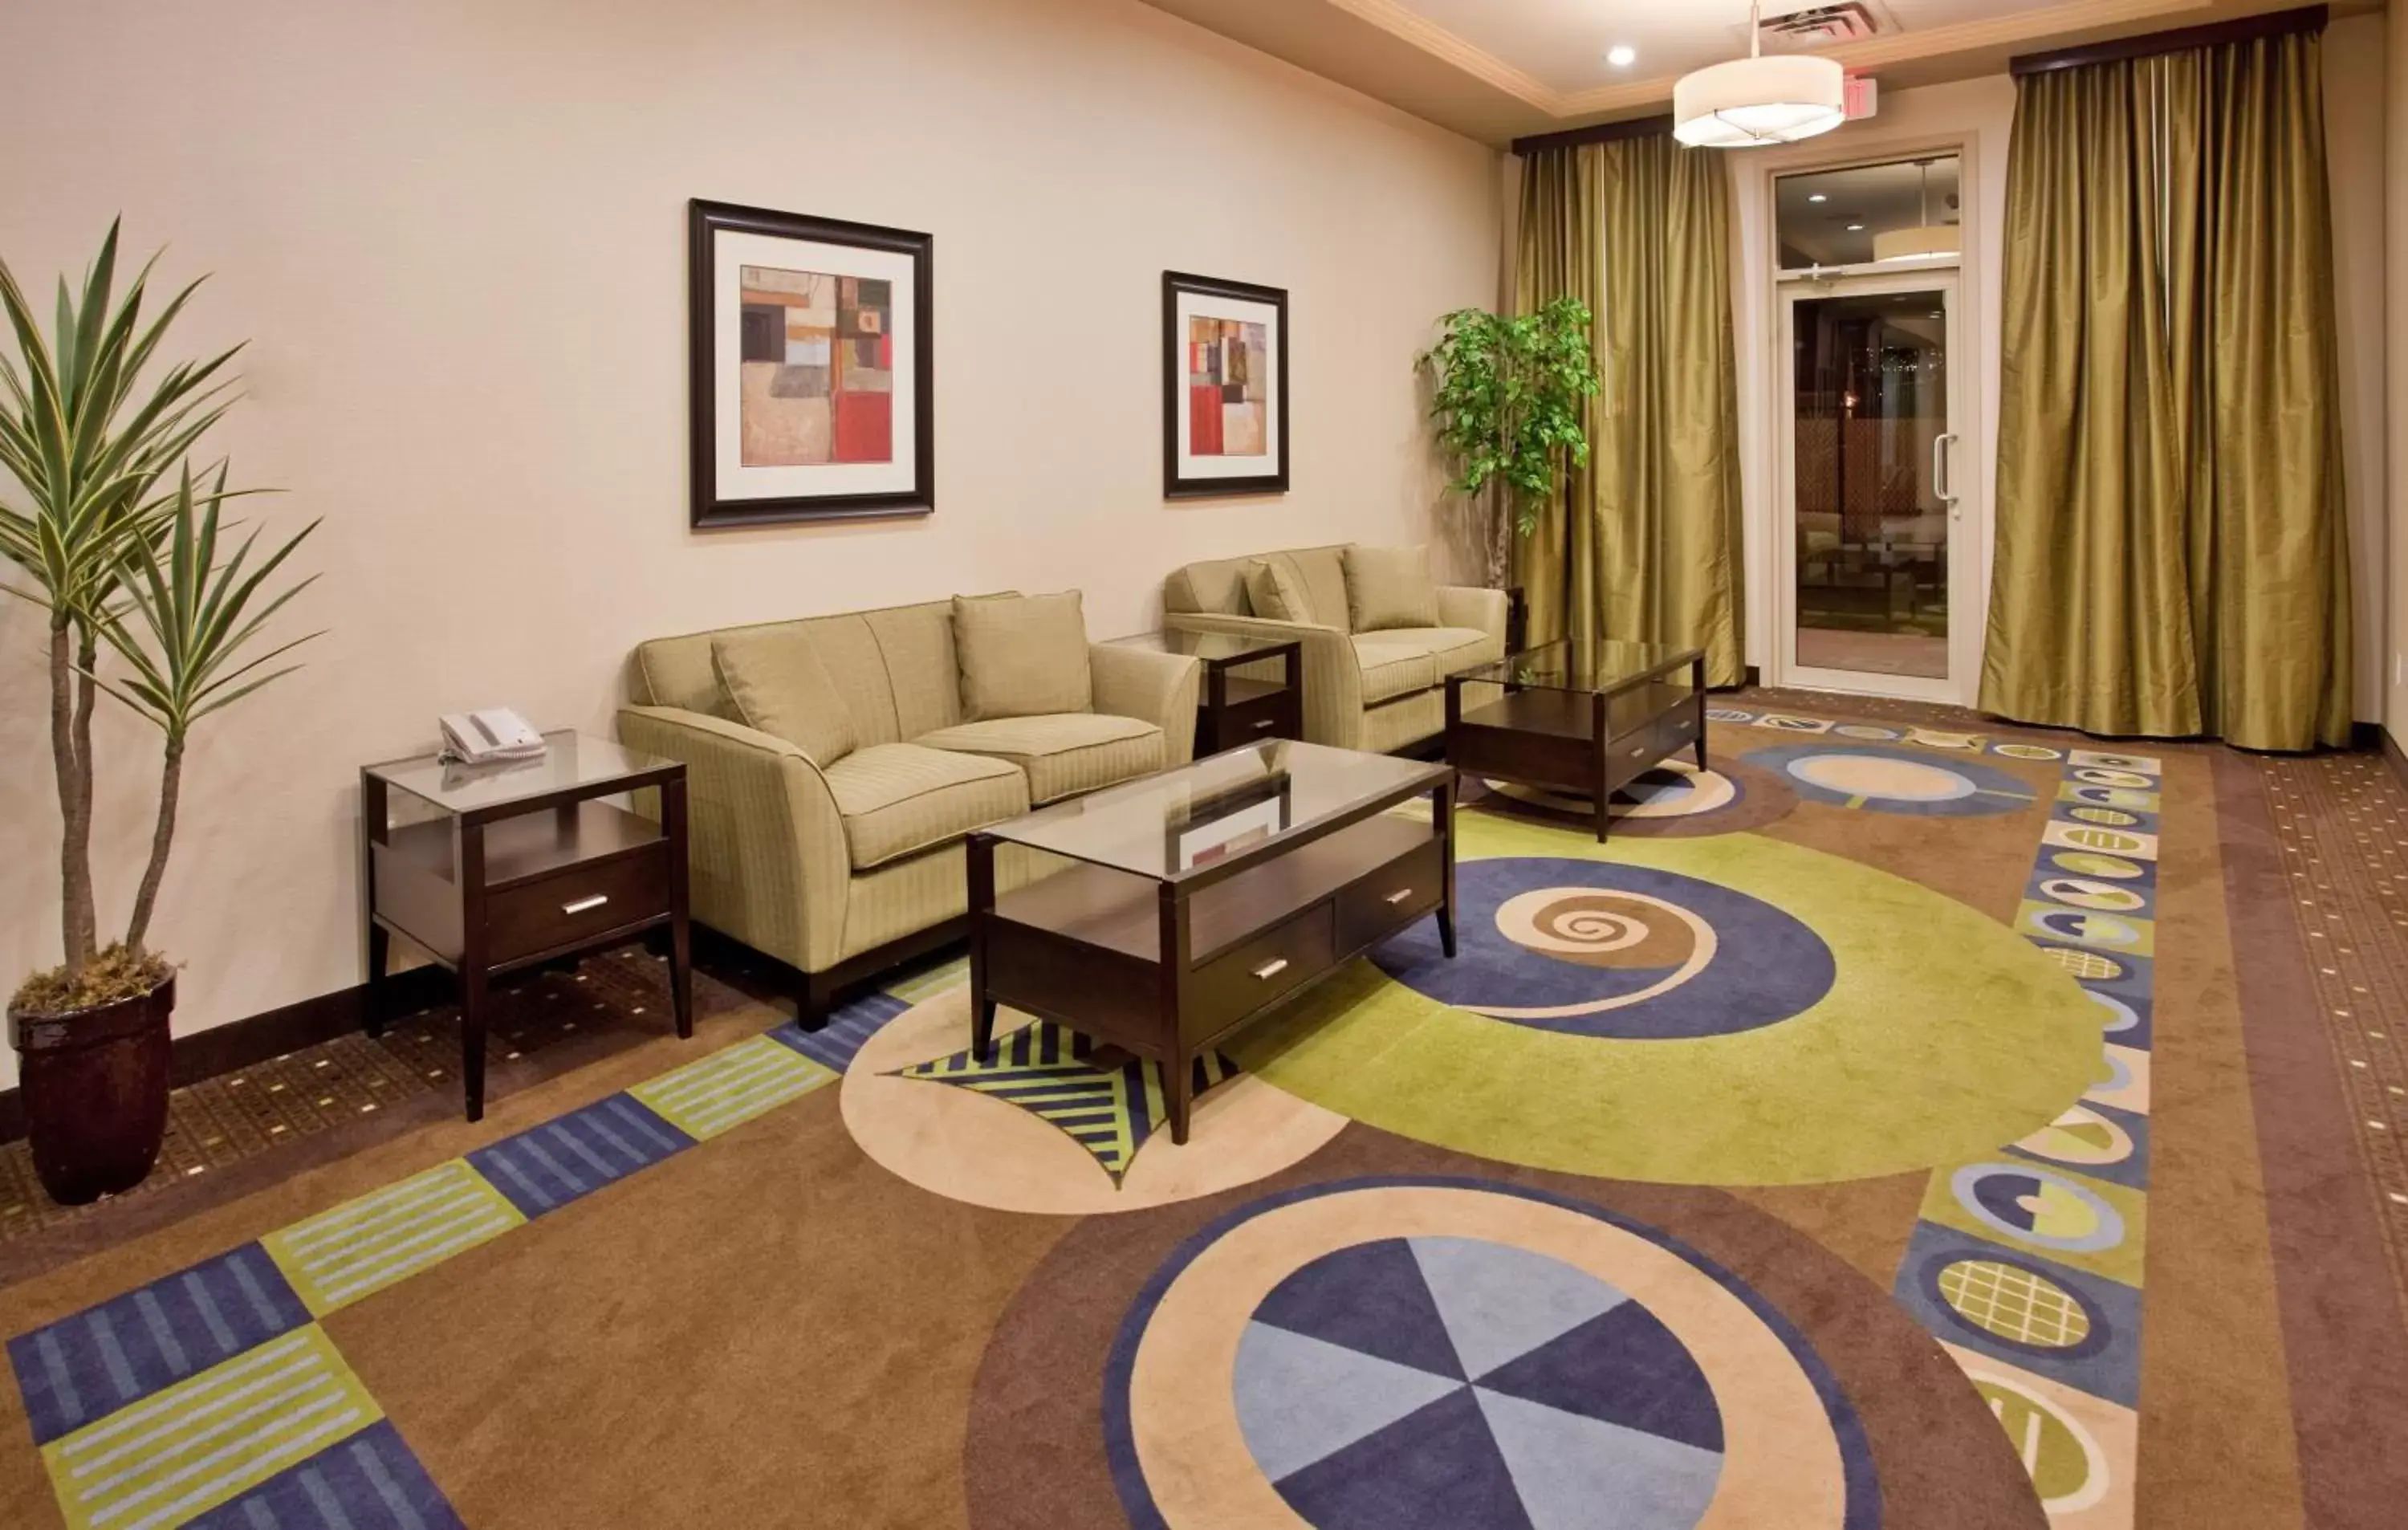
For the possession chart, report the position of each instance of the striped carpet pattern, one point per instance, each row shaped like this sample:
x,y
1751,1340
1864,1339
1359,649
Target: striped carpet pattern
x,y
546,1166
1110,1110
209,1438
732,1086
125,1348
363,1246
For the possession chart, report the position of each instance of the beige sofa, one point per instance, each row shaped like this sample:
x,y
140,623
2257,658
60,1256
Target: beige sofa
x,y
845,866
1373,690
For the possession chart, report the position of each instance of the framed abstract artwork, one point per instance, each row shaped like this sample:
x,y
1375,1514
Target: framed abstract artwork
x,y
1224,387
812,350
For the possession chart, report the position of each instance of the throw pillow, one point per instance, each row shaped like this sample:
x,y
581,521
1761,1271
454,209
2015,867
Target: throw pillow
x,y
1390,587
1022,656
1275,594
779,687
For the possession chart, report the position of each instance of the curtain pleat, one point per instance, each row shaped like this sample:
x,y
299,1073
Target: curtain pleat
x,y
2171,554
1644,543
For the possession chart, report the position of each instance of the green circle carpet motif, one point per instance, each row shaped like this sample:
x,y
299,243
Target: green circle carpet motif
x,y
1941,1034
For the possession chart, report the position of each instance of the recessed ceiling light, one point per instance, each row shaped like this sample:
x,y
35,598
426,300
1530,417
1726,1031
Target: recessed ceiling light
x,y
1818,197
1856,228
1622,56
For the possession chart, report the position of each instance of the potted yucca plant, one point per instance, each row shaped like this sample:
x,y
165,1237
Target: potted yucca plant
x,y
119,542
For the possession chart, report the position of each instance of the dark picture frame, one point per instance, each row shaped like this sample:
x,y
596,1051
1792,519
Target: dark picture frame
x,y
1180,481
718,502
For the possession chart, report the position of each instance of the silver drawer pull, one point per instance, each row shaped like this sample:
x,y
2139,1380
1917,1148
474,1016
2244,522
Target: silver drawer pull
x,y
585,905
1401,894
1266,722
1271,970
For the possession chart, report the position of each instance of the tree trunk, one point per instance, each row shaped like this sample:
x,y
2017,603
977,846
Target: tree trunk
x,y
71,760
163,837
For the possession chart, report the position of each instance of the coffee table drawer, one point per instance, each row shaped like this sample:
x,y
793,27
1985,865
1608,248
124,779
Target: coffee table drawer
x,y
1392,897
577,903
1248,976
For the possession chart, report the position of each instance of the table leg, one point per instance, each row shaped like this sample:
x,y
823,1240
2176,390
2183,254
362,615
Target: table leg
x,y
378,1002
1177,1092
1603,744
469,858
681,927
1698,689
981,907
1443,805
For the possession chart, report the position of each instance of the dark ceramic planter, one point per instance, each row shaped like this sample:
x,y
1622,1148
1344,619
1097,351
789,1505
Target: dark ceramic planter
x,y
95,1085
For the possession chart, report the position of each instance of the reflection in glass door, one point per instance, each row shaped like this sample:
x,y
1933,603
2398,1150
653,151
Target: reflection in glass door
x,y
1871,507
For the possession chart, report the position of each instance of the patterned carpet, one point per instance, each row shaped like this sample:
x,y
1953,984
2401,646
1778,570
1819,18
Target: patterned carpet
x,y
1904,1123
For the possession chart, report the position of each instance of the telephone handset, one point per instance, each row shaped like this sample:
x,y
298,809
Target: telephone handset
x,y
496,732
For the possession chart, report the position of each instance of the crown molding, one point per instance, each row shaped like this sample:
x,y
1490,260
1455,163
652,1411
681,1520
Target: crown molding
x,y
1411,27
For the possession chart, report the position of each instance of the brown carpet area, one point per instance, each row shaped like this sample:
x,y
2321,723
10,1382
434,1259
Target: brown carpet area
x,y
857,1297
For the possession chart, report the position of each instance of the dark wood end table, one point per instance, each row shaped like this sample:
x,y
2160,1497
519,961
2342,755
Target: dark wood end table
x,y
519,863
1207,896
1586,718
1236,708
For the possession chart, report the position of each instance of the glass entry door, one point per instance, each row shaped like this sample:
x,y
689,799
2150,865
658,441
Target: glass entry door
x,y
1875,595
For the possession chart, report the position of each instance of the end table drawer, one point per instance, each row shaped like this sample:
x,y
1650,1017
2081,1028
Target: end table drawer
x,y
1277,962
1392,897
577,903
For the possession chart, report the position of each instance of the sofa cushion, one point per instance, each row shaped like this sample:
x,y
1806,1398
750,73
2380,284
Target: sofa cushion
x,y
1389,587
1063,754
1323,569
898,799
1391,669
1022,656
1451,649
1276,594
779,686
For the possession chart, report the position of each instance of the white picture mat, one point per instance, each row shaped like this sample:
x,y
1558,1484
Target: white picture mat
x,y
1206,305
731,251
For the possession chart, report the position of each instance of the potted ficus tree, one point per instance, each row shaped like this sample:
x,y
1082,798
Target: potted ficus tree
x,y
116,541
1508,399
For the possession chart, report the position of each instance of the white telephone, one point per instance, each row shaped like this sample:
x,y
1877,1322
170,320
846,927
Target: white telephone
x,y
496,732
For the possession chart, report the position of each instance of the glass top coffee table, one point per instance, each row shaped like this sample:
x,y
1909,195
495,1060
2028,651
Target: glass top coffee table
x,y
1582,718
1201,898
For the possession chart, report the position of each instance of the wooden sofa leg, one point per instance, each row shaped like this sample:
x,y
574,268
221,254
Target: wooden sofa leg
x,y
814,1000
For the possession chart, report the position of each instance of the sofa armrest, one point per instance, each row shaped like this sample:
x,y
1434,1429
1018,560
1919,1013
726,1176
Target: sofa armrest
x,y
1468,606
1333,676
1157,688
766,849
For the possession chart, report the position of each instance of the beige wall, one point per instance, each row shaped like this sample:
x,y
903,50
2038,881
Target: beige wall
x,y
2395,266
453,230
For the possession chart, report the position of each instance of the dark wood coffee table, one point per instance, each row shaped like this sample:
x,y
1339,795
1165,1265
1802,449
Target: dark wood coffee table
x,y
1205,897
1586,718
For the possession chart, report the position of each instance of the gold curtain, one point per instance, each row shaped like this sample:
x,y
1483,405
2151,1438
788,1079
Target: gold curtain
x,y
1644,543
2172,548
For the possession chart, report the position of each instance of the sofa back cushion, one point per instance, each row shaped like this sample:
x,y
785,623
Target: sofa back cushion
x,y
1022,656
1217,586
1276,592
893,667
779,685
1389,587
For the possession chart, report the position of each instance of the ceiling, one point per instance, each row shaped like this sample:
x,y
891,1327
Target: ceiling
x,y
1496,70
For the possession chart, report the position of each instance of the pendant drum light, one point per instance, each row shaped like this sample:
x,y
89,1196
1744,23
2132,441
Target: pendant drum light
x,y
1925,239
1759,100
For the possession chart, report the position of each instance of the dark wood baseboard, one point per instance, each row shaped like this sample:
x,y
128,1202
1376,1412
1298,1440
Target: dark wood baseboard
x,y
244,1043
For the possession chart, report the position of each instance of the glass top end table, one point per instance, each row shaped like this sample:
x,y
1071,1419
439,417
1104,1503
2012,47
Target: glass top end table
x,y
1584,718
1254,686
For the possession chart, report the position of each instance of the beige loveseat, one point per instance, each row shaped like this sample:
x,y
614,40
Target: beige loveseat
x,y
843,866
1373,690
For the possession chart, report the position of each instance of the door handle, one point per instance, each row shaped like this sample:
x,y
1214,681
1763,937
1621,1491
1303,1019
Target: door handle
x,y
1942,488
